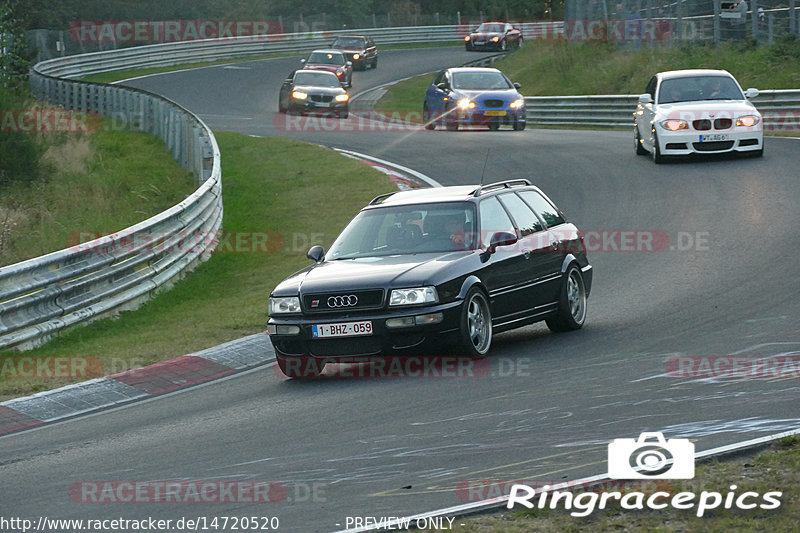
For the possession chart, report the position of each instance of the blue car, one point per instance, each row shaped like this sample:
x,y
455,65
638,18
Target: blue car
x,y
468,96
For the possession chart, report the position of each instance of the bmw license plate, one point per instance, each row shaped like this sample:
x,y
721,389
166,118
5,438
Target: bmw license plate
x,y
495,113
341,329
321,104
714,137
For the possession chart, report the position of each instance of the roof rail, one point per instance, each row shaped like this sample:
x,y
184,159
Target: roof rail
x,y
501,185
381,198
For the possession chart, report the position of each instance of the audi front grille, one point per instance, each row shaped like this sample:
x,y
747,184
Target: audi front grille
x,y
343,301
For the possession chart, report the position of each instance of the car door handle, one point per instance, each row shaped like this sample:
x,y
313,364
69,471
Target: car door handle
x,y
555,244
526,254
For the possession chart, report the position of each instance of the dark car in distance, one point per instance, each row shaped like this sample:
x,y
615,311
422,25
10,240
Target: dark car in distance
x,y
330,61
427,267
360,50
493,36
315,92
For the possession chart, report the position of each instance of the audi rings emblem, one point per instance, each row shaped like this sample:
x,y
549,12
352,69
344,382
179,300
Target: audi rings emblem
x,y
343,301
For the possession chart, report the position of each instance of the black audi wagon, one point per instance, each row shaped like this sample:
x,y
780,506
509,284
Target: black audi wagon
x,y
424,267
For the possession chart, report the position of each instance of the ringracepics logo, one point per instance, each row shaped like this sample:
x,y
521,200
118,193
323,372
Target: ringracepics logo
x,y
651,459
651,456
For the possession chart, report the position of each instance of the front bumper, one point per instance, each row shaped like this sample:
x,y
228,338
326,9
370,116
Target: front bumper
x,y
309,106
480,116
383,340
689,142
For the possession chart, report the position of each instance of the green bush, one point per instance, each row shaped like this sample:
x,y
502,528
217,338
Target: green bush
x,y
19,151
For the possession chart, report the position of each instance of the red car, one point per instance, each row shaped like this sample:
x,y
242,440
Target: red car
x,y
493,36
331,61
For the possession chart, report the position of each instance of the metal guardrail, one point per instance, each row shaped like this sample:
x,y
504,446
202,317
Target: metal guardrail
x,y
176,53
780,109
42,296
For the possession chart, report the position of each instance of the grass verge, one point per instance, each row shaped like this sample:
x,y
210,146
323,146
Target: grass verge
x,y
777,469
563,69
293,193
118,178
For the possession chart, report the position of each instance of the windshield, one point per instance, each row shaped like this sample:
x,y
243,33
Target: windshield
x,y
326,58
481,81
348,42
408,229
692,89
316,79
490,28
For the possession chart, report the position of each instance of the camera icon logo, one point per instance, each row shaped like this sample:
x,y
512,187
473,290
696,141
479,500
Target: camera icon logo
x,y
651,457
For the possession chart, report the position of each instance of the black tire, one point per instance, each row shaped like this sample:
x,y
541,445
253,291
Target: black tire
x,y
303,367
429,123
494,125
375,63
637,139
571,312
476,323
519,125
520,42
504,45
656,153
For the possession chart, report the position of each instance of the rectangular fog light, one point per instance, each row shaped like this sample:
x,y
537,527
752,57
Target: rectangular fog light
x,y
432,318
272,329
404,322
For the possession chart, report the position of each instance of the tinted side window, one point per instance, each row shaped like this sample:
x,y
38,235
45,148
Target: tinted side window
x,y
493,219
526,220
546,210
439,78
651,88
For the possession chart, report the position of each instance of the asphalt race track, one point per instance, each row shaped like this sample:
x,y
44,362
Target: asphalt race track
x,y
720,279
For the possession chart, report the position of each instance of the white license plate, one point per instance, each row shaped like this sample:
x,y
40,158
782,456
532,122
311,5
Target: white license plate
x,y
495,113
342,329
321,104
714,137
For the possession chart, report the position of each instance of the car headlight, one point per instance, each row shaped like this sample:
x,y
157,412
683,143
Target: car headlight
x,y
495,39
467,38
299,95
283,305
517,103
674,124
342,97
419,295
464,103
339,72
356,56
747,121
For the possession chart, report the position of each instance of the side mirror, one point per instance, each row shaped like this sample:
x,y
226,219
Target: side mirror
x,y
316,253
349,64
303,61
517,86
501,238
442,86
645,99
751,93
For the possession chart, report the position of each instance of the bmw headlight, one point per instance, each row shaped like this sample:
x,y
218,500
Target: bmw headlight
x,y
342,97
747,121
284,305
674,124
517,103
415,296
299,95
356,56
465,103
496,39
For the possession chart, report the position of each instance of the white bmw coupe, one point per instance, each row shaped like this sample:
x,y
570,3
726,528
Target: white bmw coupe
x,y
696,111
